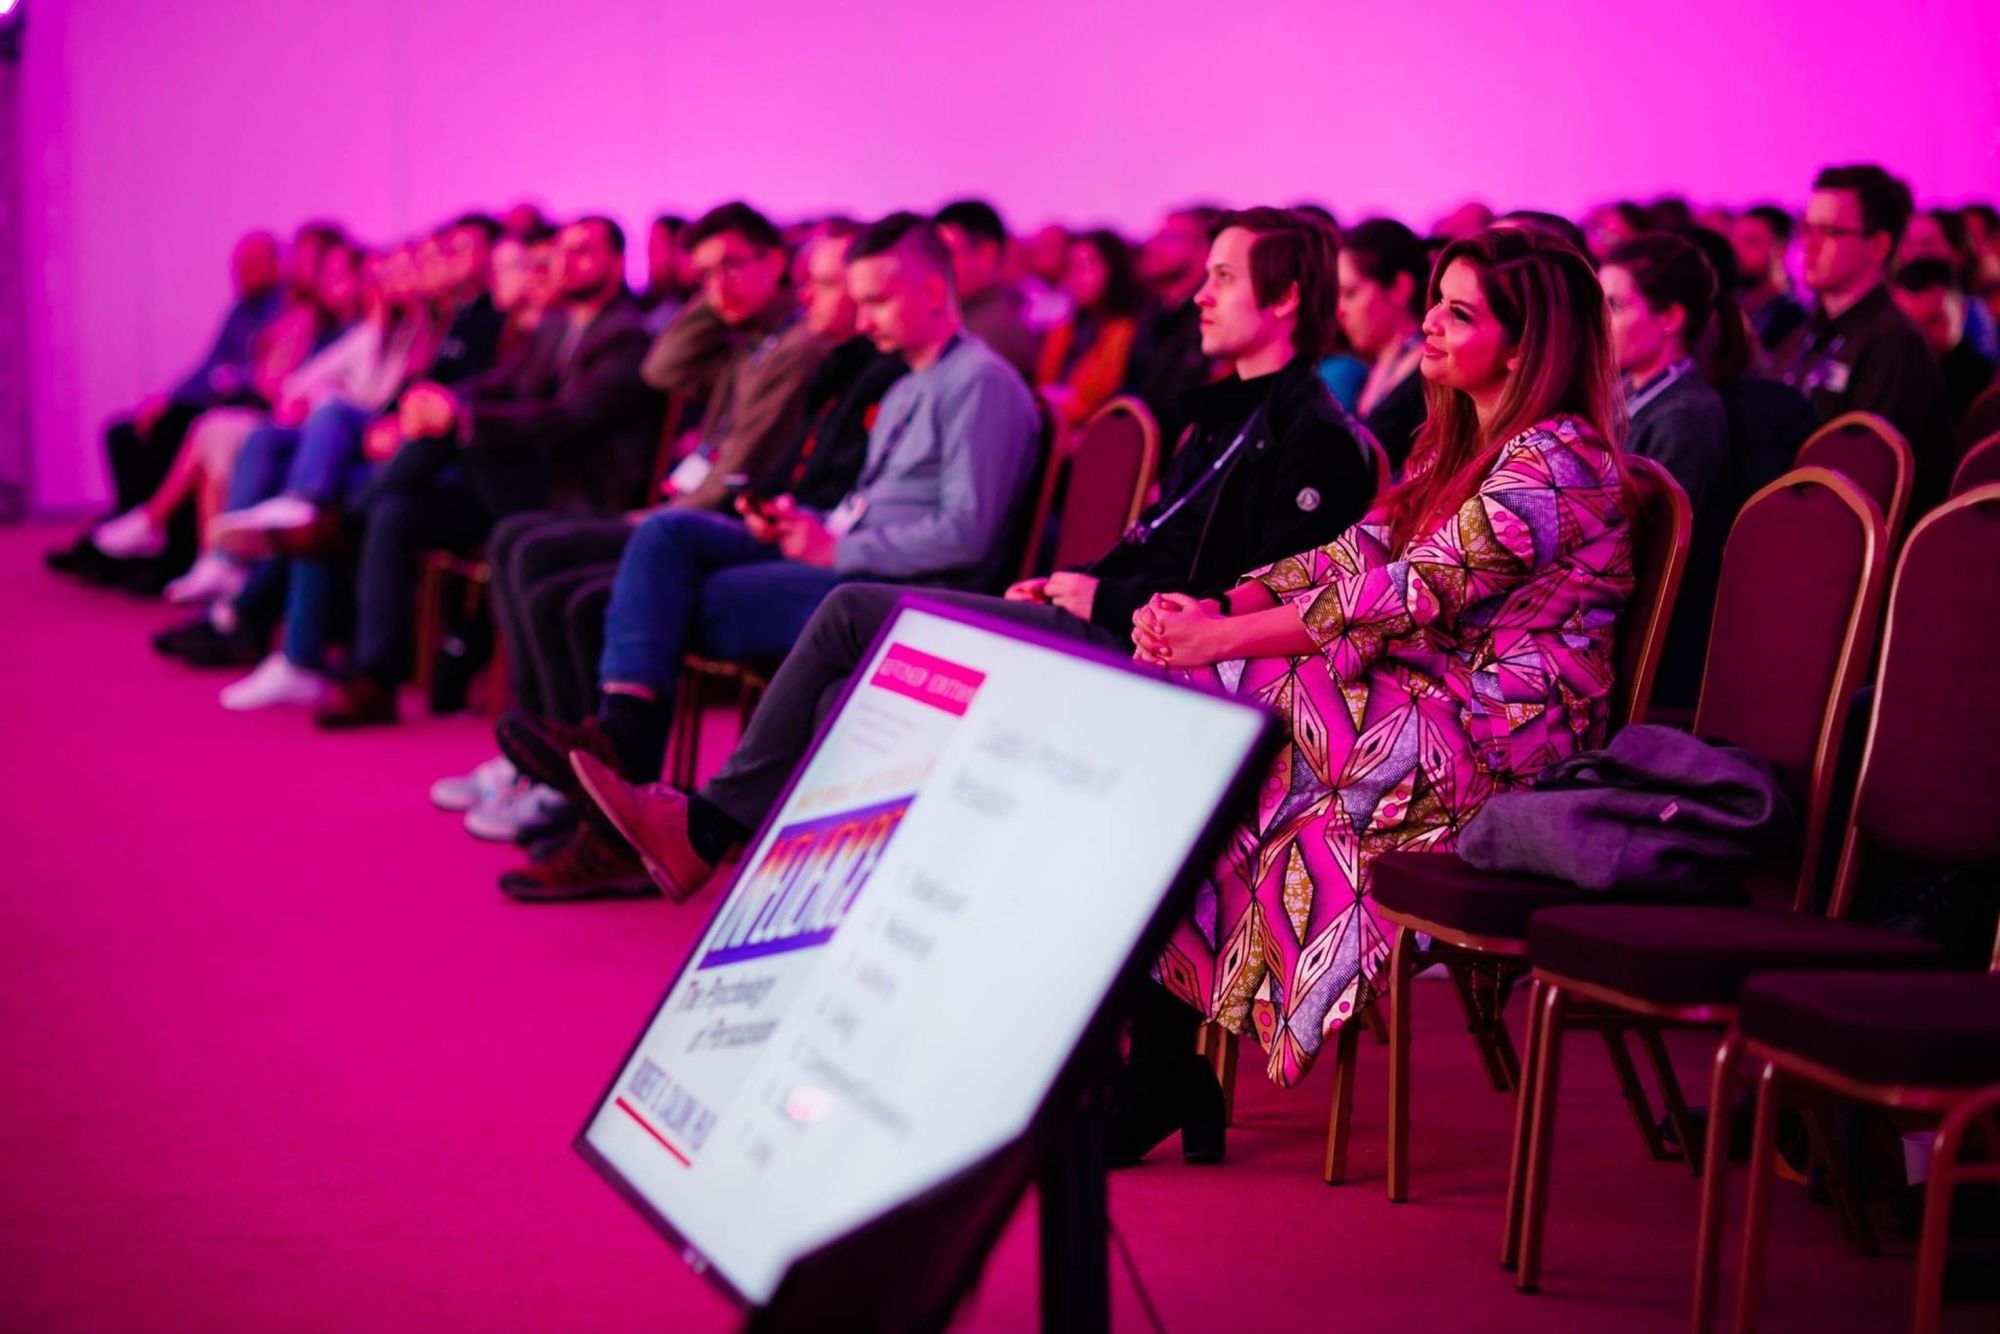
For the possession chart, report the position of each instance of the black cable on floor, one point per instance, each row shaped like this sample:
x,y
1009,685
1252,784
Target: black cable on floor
x,y
1138,1284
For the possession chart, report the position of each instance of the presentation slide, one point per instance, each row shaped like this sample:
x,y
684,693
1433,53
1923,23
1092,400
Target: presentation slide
x,y
917,941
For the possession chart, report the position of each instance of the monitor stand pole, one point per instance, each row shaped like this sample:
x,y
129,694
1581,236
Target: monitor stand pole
x,y
1075,1227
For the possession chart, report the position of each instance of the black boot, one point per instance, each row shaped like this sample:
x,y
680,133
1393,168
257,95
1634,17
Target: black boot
x,y
1165,1087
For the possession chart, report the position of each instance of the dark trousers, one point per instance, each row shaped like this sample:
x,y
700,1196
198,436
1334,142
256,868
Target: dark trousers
x,y
831,649
541,561
138,466
450,506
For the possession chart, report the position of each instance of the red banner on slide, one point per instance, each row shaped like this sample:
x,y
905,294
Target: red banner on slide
x,y
928,680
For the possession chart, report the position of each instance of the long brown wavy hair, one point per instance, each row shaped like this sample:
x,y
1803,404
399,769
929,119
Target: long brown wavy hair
x,y
1546,296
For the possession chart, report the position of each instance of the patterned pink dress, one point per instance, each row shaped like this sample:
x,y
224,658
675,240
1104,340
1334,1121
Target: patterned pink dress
x,y
1456,668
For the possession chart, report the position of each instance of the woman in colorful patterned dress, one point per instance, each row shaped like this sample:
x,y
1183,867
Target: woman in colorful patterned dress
x,y
1451,644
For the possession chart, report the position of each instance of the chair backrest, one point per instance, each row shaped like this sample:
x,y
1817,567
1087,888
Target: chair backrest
x,y
663,453
1660,520
1109,466
1796,609
1979,467
1870,452
1927,789
1033,513
1981,420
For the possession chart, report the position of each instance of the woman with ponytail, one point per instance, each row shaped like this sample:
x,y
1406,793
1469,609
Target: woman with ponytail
x,y
1662,293
1448,646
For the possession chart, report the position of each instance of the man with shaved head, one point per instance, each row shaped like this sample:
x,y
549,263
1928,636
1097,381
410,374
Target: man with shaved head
x,y
949,462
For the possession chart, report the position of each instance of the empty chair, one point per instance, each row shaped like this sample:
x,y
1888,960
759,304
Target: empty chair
x,y
1979,467
1862,446
1935,723
1109,469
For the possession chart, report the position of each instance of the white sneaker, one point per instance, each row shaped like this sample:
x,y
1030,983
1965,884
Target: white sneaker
x,y
130,536
279,512
511,810
464,791
211,577
276,680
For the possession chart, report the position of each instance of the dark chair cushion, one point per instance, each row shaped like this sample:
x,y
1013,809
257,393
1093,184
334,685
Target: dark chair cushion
x,y
1941,1030
1704,955
1439,887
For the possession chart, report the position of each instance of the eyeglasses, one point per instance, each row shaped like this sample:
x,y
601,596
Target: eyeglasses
x,y
1821,231
729,269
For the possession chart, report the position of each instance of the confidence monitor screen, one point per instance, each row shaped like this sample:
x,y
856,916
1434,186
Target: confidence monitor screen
x,y
917,942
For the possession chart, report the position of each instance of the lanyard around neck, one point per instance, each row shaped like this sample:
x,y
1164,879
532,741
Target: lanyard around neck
x,y
1142,532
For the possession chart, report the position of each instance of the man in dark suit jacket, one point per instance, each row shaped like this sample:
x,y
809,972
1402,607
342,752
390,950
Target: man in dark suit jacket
x,y
569,426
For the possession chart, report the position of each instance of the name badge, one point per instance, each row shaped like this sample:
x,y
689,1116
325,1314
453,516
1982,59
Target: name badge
x,y
848,513
689,476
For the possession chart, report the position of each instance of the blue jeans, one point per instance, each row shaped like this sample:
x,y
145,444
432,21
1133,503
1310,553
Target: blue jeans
x,y
261,467
328,467
694,580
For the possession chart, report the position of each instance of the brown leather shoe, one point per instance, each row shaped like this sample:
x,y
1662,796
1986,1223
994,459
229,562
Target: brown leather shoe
x,y
591,864
361,702
654,820
539,747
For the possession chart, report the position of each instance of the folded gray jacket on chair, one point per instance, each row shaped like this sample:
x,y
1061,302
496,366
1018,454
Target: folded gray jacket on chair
x,y
1657,809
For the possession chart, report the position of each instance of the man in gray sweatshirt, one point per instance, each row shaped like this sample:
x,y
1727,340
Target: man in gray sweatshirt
x,y
951,457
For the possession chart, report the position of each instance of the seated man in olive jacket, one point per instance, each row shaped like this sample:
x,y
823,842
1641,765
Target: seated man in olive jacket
x,y
1273,466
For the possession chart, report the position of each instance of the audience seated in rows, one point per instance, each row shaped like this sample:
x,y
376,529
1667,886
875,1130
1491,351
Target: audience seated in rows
x,y
950,460
599,600
1518,529
552,579
1272,465
167,485
850,440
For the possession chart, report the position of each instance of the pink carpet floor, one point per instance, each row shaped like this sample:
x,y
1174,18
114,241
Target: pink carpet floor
x,y
274,1054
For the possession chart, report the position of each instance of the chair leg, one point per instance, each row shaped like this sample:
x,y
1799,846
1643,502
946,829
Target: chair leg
x,y
1541,1139
1714,1184
1517,1158
1372,1016
1670,1093
1346,1055
1402,976
499,682
1496,1029
1934,1242
1847,1200
1634,1091
684,731
1475,1023
1757,1216
430,624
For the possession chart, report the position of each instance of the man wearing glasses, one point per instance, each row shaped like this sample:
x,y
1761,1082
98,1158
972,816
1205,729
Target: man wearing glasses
x,y
740,347
1859,353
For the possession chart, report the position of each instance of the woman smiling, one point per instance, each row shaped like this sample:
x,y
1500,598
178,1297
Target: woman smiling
x,y
1450,645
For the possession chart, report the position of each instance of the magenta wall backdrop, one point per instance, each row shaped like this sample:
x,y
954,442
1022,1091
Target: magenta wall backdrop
x,y
159,131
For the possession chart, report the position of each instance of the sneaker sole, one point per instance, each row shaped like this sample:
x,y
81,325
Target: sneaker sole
x,y
625,887
667,884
